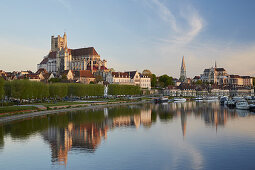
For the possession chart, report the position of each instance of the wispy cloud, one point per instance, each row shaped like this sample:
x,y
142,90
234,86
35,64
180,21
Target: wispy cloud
x,y
165,14
179,35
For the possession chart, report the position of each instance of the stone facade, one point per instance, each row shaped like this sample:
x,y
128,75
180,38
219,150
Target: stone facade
x,y
62,58
215,75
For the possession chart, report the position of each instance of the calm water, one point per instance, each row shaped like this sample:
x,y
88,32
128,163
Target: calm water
x,y
173,136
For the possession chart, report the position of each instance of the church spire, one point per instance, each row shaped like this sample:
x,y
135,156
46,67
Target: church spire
x,y
183,71
183,64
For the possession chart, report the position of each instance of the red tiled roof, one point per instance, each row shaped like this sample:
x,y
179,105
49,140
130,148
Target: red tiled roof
x,y
86,74
84,51
32,76
103,68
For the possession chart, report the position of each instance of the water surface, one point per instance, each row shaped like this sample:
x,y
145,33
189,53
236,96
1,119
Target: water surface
x,y
191,135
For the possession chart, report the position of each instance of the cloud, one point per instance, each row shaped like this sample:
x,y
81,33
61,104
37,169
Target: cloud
x,y
165,14
185,25
188,16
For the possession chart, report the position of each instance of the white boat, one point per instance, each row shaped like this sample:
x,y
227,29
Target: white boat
x,y
242,104
163,100
230,103
236,99
179,99
198,98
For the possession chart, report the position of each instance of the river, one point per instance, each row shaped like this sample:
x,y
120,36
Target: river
x,y
191,135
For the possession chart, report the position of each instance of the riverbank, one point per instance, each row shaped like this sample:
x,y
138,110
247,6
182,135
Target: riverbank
x,y
7,119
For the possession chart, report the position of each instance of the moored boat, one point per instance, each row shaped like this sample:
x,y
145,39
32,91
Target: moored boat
x,y
179,99
198,98
163,100
252,107
223,100
242,104
231,103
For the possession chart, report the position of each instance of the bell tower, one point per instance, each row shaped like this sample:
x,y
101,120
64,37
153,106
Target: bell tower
x,y
57,43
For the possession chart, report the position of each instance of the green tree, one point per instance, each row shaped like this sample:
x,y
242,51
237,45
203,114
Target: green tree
x,y
116,89
199,82
1,88
58,90
54,80
7,89
153,80
166,80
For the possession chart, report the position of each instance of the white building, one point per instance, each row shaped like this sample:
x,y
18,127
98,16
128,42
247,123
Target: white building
x,y
129,78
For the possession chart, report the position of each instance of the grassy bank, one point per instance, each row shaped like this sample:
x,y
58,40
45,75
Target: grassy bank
x,y
16,109
13,110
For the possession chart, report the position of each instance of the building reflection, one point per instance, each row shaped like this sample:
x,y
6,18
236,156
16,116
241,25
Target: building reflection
x,y
183,121
86,137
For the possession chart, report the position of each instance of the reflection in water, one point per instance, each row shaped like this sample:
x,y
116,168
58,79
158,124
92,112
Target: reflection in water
x,y
88,135
83,131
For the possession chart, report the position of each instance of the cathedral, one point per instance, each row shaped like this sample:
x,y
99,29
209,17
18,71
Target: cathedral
x,y
61,58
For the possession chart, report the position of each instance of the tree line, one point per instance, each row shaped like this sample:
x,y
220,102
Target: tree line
x,y
115,89
25,89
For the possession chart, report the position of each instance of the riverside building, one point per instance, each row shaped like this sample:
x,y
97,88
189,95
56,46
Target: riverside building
x,y
61,58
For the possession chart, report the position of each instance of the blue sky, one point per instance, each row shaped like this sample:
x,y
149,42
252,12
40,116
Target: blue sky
x,y
133,34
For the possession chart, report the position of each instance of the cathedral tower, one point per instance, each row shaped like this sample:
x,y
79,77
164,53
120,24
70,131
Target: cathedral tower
x,y
57,43
183,71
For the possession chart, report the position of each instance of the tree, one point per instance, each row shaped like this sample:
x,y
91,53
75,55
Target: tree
x,y
1,88
7,89
166,80
147,73
54,80
153,80
199,82
116,89
58,90
99,78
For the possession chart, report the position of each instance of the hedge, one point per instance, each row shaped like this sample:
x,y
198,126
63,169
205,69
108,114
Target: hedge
x,y
25,89
116,89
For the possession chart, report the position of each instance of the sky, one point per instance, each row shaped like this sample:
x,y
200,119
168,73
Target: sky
x,y
133,34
